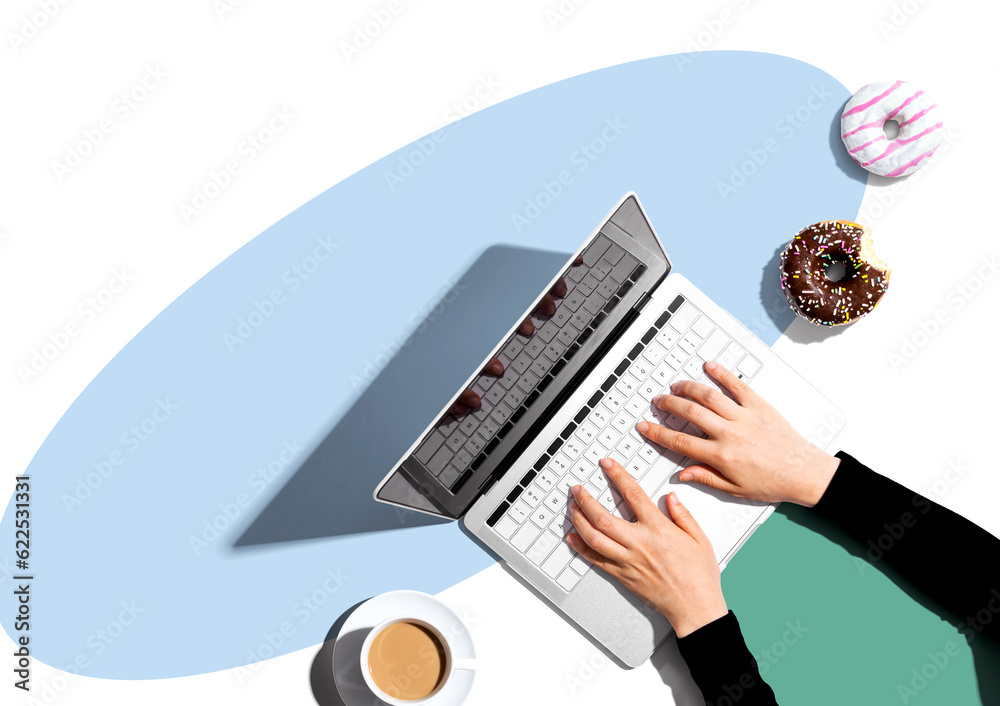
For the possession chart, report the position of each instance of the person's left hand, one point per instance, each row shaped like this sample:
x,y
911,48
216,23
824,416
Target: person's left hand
x,y
668,562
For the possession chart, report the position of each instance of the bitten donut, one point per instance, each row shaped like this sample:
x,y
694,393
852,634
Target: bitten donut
x,y
871,108
812,294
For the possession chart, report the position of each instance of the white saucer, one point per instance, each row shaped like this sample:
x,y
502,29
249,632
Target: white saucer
x,y
411,604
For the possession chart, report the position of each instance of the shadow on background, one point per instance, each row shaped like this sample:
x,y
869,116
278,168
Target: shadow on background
x,y
985,652
321,677
330,494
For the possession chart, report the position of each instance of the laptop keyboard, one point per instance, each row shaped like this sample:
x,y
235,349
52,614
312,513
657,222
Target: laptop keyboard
x,y
458,445
533,519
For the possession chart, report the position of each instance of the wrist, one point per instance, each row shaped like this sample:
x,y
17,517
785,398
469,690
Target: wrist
x,y
820,474
692,620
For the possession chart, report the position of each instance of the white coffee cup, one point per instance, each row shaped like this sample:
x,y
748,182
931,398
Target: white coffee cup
x,y
451,663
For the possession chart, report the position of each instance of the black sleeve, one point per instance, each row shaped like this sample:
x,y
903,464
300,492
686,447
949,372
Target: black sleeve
x,y
952,560
722,666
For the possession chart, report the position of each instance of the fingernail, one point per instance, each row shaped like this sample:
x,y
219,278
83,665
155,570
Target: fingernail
x,y
606,462
496,367
673,498
576,490
710,365
687,476
675,387
642,426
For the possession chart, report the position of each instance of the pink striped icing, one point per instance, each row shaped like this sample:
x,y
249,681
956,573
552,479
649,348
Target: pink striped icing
x,y
911,163
917,117
905,103
877,123
873,101
896,144
858,149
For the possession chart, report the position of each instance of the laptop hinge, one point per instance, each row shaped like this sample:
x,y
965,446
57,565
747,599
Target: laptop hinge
x,y
641,303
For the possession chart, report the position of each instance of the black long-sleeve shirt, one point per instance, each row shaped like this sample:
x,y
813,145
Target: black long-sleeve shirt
x,y
952,560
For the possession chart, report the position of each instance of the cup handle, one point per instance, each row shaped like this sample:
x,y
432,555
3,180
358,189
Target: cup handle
x,y
468,663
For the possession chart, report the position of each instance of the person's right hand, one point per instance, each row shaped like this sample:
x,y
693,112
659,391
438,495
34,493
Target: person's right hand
x,y
751,451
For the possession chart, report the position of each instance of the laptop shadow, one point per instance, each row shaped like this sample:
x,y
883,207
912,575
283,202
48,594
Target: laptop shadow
x,y
985,652
330,493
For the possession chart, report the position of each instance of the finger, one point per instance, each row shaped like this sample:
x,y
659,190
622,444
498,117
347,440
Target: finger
x,y
527,327
594,536
683,518
616,528
494,367
684,444
734,383
559,288
641,504
706,475
466,401
688,410
546,307
589,553
707,396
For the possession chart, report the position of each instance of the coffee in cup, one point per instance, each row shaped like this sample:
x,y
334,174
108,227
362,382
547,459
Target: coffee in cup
x,y
408,660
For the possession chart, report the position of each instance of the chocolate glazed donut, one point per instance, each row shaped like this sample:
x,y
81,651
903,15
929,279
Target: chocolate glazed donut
x,y
812,294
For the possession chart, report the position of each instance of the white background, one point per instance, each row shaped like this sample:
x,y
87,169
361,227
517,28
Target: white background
x,y
227,66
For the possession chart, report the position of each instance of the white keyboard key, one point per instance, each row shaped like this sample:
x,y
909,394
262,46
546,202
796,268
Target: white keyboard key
x,y
534,348
727,359
626,385
562,525
541,366
748,366
613,400
559,463
623,421
595,453
554,350
581,469
519,511
689,343
579,564
573,300
667,337
593,490
607,499
545,543
557,500
572,448
662,374
532,495
674,422
684,317
599,417
654,352
524,536
692,368
587,432
656,477
676,358
542,516
736,350
635,406
609,438
559,559
626,448
505,527
703,326
641,368
567,335
546,480
568,579
636,468
713,345
648,389
599,480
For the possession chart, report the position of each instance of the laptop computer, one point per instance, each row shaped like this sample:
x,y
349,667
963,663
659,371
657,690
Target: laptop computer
x,y
624,327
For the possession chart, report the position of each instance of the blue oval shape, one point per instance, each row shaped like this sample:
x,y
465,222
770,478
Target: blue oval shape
x,y
163,546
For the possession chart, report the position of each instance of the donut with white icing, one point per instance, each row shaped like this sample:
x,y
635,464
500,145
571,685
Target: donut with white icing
x,y
871,108
812,294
